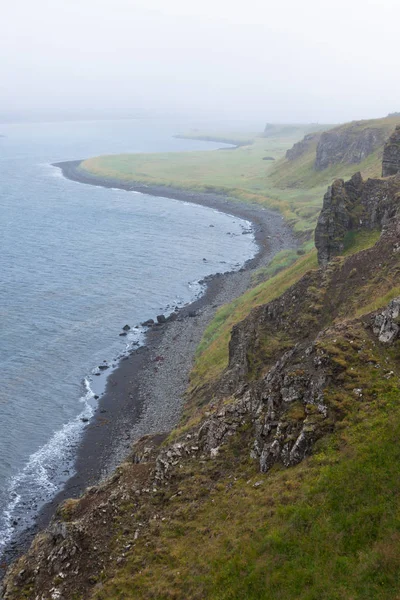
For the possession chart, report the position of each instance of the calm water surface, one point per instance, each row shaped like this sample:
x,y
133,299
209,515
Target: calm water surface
x,y
77,262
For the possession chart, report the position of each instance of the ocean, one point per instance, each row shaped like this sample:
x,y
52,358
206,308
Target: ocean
x,y
77,263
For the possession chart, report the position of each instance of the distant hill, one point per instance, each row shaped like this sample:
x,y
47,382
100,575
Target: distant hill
x,y
334,153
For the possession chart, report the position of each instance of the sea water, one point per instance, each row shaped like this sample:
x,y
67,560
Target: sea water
x,y
78,262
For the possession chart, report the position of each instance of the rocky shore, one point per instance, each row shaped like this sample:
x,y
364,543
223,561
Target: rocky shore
x,y
144,395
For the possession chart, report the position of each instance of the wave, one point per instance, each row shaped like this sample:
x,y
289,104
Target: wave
x,y
46,470
52,465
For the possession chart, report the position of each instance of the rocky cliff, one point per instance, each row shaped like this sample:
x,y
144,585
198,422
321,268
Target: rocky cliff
x,y
356,204
300,148
350,145
391,154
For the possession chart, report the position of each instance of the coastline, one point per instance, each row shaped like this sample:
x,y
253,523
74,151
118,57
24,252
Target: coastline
x,y
144,394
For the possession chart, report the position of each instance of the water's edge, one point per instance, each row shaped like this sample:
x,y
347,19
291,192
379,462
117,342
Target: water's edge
x,y
139,397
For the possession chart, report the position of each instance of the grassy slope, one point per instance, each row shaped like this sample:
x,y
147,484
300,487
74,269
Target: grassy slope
x,y
326,529
300,173
212,353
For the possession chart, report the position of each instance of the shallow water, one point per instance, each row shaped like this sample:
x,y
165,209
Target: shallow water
x,y
77,262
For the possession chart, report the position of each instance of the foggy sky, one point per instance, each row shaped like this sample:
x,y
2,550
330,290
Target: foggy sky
x,y
280,60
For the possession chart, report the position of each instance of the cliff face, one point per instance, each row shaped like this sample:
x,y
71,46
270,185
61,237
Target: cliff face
x,y
356,205
302,147
348,146
391,155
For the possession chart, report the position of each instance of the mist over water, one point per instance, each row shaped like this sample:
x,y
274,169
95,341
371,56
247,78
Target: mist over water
x,y
78,262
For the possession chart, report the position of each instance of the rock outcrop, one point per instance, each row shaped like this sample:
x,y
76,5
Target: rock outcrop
x,y
386,324
352,206
391,155
300,148
357,204
350,145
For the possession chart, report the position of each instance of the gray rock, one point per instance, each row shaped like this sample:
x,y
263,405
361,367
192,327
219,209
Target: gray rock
x,y
148,323
386,325
391,154
300,148
349,146
354,205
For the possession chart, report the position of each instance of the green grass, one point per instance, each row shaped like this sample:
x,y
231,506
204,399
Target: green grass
x,y
241,173
327,529
355,241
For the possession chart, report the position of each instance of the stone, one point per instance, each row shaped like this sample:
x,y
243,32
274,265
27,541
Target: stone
x,y
391,154
161,319
148,323
386,325
126,328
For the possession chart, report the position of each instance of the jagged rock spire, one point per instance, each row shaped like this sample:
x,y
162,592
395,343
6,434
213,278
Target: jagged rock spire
x,y
391,154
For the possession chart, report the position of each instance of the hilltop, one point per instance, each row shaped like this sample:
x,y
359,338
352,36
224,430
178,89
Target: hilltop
x,y
281,479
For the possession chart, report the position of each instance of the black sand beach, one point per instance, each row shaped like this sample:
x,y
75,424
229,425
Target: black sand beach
x,y
145,393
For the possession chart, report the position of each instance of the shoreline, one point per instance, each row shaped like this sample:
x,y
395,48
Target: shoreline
x,y
144,394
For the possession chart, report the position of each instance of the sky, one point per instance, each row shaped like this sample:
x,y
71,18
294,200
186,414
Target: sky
x,y
277,61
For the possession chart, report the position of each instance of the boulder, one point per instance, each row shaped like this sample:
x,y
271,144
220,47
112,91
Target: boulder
x,y
148,323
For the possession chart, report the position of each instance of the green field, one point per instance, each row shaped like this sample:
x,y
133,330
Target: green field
x,y
292,187
241,172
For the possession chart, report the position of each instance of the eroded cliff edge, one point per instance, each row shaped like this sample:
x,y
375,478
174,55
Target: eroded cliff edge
x,y
305,370
357,205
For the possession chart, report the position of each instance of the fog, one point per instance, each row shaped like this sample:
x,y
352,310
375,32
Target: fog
x,y
274,61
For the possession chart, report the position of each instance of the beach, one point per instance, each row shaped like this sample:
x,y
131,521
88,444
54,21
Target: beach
x,y
145,393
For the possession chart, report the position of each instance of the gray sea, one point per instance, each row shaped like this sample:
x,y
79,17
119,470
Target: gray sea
x,y
78,262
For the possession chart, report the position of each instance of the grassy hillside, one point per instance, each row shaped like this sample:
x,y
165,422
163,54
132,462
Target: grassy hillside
x,y
300,173
328,528
293,187
212,353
